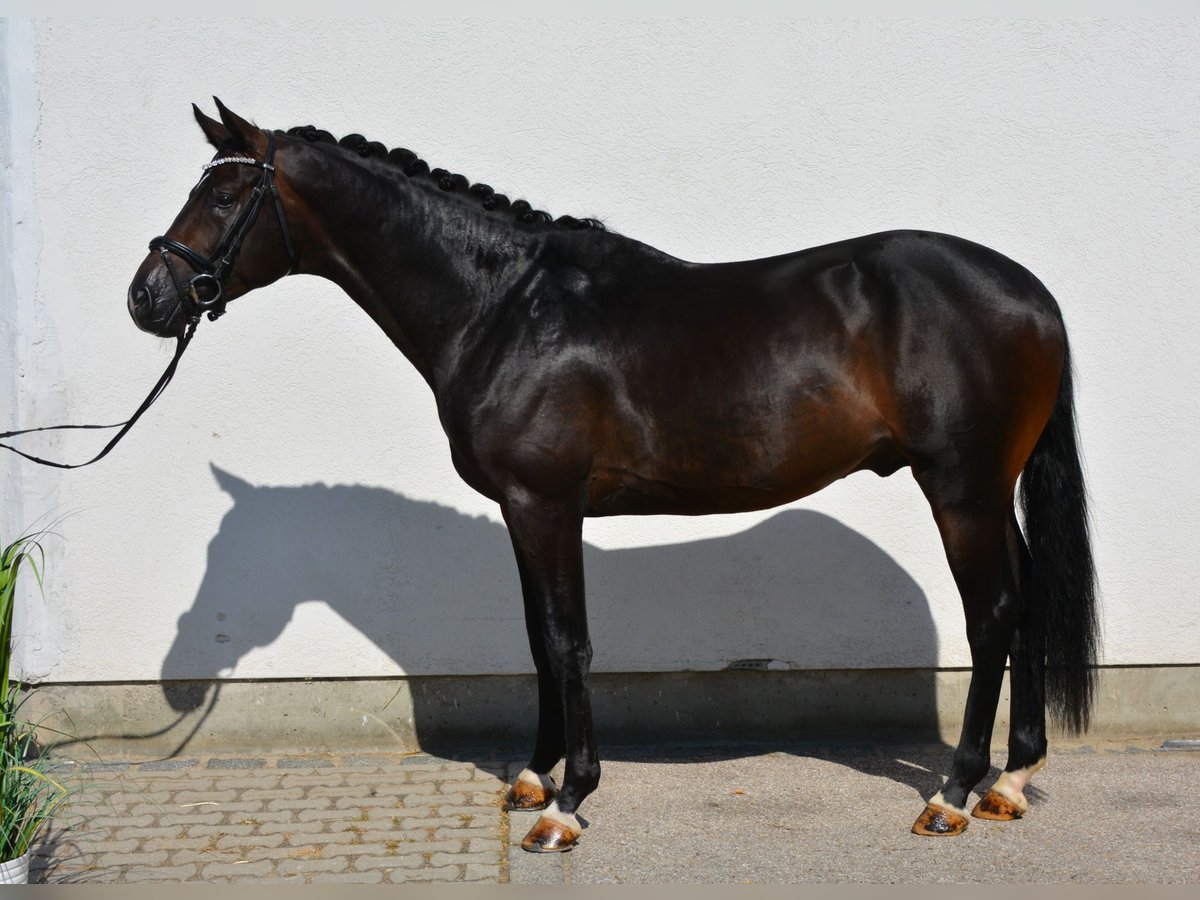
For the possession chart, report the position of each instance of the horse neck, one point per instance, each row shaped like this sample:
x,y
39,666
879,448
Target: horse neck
x,y
423,266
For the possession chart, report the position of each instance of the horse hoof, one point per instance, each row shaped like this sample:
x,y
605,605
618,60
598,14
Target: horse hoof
x,y
940,821
523,795
529,792
997,807
550,835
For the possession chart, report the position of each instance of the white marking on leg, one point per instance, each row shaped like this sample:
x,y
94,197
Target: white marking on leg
x,y
567,820
1011,785
939,800
545,782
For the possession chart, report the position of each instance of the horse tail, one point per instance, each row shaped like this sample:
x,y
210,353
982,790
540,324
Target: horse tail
x,y
1061,583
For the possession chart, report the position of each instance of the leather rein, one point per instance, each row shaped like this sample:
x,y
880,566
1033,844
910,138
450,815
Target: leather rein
x,y
205,291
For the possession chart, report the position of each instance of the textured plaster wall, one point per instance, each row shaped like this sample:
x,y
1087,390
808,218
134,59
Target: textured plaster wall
x,y
289,508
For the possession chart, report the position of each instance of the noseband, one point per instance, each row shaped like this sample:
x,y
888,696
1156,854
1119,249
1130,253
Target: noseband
x,y
205,292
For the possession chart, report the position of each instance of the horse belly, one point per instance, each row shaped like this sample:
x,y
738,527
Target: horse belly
x,y
693,464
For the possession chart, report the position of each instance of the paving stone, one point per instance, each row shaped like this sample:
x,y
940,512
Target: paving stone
x,y
236,870
265,783
204,815
322,838
236,763
394,778
139,821
445,873
341,791
420,760
306,808
304,762
240,809
164,874
201,856
219,830
152,858
333,776
484,845
172,844
106,847
167,765
184,798
359,762
304,866
276,793
368,877
291,827
260,816
246,841
450,859
400,860
466,788
482,872
130,797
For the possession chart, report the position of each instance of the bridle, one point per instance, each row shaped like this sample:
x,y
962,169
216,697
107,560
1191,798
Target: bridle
x,y
205,291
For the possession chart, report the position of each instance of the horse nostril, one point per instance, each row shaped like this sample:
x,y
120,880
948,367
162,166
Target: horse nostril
x,y
139,297
140,302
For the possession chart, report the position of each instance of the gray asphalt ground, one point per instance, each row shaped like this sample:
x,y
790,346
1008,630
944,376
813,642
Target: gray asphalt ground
x,y
1119,812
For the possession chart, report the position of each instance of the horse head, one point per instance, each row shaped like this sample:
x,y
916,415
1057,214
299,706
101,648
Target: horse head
x,y
218,247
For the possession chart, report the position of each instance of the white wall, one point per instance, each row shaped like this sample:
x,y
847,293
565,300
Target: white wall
x,y
289,508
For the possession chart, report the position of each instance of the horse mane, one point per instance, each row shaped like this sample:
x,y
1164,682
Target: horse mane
x,y
415,167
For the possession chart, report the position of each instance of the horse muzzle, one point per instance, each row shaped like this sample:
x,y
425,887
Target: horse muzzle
x,y
155,308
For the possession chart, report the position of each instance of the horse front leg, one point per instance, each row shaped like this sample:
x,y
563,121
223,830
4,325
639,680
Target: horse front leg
x,y
547,539
534,788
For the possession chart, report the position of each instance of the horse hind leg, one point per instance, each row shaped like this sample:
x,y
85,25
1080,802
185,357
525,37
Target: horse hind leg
x,y
972,523
1006,800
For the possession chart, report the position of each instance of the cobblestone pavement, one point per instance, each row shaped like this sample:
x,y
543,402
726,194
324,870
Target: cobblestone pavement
x,y
1120,812
363,819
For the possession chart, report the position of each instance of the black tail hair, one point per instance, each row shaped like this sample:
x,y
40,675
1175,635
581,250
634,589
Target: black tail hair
x,y
1062,583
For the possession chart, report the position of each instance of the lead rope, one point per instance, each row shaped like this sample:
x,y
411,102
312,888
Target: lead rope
x,y
155,392
231,244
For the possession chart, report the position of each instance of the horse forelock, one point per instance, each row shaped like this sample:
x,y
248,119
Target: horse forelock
x,y
414,167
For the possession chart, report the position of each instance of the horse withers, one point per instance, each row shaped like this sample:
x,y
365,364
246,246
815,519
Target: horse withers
x,y
578,372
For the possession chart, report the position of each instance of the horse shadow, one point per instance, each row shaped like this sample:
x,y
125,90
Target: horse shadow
x,y
435,591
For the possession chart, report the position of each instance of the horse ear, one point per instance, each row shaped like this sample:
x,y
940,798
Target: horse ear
x,y
232,485
245,135
217,134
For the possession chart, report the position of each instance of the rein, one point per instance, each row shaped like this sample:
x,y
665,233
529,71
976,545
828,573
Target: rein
x,y
205,293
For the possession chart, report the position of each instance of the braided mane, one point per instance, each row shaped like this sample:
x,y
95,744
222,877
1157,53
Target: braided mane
x,y
415,167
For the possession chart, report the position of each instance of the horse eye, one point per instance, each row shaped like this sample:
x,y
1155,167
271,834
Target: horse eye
x,y
224,201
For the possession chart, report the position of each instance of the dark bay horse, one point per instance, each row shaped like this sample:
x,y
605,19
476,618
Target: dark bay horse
x,y
580,373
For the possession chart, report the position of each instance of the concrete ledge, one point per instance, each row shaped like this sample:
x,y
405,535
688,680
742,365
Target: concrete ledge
x,y
438,714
